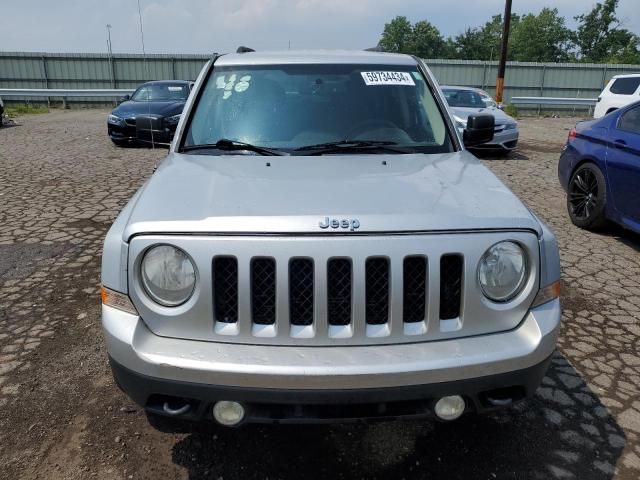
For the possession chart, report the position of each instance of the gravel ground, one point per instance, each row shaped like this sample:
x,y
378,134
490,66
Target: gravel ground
x,y
61,416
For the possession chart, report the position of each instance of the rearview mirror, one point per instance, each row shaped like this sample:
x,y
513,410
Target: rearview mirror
x,y
479,130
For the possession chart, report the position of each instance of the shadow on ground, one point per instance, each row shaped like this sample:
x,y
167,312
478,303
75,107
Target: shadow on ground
x,y
564,432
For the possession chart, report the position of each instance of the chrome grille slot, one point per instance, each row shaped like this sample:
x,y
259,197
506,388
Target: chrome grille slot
x,y
225,289
414,276
377,290
263,291
339,291
301,286
450,286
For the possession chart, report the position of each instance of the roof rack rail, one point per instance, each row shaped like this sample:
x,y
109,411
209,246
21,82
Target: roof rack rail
x,y
242,49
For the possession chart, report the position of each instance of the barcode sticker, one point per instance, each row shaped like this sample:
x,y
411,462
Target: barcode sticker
x,y
387,78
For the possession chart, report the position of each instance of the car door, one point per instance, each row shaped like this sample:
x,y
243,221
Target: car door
x,y
623,163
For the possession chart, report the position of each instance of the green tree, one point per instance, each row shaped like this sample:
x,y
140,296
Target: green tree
x,y
541,38
483,43
426,41
397,36
600,38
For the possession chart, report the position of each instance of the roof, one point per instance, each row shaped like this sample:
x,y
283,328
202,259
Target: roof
x,y
315,57
458,87
169,82
627,75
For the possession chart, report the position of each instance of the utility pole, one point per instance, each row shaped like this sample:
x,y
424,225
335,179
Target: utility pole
x,y
503,51
110,55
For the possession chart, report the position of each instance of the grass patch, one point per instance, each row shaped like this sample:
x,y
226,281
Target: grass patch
x,y
26,109
511,110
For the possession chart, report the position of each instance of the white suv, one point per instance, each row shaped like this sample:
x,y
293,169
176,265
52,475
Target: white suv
x,y
619,92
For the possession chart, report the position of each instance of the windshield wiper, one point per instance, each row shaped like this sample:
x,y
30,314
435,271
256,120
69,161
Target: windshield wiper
x,y
353,145
227,144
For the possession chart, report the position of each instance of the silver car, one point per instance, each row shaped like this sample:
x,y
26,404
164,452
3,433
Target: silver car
x,y
465,101
318,245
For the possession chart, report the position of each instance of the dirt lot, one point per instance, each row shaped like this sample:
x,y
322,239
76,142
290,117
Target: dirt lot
x,y
61,416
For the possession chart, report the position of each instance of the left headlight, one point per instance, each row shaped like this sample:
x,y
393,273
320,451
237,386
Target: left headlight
x,y
502,272
115,120
168,275
173,120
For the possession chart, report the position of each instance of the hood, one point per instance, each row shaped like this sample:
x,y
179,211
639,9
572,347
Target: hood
x,y
163,109
288,194
500,116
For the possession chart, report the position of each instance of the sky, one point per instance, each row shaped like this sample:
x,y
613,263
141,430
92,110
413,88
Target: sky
x,y
206,26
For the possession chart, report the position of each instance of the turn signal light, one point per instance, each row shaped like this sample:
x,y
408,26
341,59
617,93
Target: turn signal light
x,y
117,300
547,294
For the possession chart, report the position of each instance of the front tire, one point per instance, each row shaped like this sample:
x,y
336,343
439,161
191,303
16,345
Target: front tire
x,y
587,197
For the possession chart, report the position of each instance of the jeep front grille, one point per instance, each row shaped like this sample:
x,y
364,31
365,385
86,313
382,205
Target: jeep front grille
x,y
339,290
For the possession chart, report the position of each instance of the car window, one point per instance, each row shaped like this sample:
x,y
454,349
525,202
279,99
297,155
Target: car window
x,y
293,106
625,86
161,92
630,121
463,98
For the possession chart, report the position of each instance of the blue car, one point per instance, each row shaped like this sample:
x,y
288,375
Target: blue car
x,y
600,170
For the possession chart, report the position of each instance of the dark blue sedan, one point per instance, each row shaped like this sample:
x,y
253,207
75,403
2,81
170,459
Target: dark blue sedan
x,y
600,170
151,114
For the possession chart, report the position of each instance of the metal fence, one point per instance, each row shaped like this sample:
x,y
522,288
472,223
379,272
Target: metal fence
x,y
126,71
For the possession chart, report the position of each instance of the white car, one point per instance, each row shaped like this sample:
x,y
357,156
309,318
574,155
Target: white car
x,y
619,92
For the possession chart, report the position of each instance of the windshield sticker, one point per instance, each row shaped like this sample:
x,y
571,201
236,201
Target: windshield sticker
x,y
230,86
387,78
175,89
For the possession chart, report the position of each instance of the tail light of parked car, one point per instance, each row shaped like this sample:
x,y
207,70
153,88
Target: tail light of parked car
x,y
573,134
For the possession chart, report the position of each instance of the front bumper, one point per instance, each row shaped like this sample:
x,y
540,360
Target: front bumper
x,y
504,140
152,369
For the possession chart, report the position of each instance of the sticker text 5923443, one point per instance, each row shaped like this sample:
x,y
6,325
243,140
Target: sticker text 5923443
x,y
387,78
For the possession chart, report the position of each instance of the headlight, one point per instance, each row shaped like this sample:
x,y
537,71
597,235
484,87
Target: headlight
x,y
172,120
115,120
502,271
168,275
511,126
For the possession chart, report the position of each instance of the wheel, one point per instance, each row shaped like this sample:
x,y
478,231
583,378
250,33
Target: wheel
x,y
587,197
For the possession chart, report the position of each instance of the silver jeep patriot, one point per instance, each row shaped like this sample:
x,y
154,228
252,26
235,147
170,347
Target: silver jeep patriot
x,y
318,245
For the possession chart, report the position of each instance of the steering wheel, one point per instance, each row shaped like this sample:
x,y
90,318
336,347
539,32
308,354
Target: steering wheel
x,y
370,124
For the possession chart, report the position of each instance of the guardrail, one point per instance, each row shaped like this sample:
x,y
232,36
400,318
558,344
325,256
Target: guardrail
x,y
64,93
553,101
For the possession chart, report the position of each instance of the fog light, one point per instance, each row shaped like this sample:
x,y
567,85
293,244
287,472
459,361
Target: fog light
x,y
450,408
228,413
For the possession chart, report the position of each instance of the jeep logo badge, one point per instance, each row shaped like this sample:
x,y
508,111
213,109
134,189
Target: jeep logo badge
x,y
351,224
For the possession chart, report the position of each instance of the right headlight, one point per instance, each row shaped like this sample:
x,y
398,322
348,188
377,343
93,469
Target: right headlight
x,y
502,272
168,275
115,120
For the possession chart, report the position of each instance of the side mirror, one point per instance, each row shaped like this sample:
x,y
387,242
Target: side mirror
x,y
480,129
124,99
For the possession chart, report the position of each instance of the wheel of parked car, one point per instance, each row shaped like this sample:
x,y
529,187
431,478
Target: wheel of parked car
x,y
587,197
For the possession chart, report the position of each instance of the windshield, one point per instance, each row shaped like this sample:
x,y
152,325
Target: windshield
x,y
158,92
463,98
289,107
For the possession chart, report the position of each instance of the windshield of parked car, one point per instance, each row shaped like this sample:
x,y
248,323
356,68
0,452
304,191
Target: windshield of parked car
x,y
463,98
158,92
290,107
